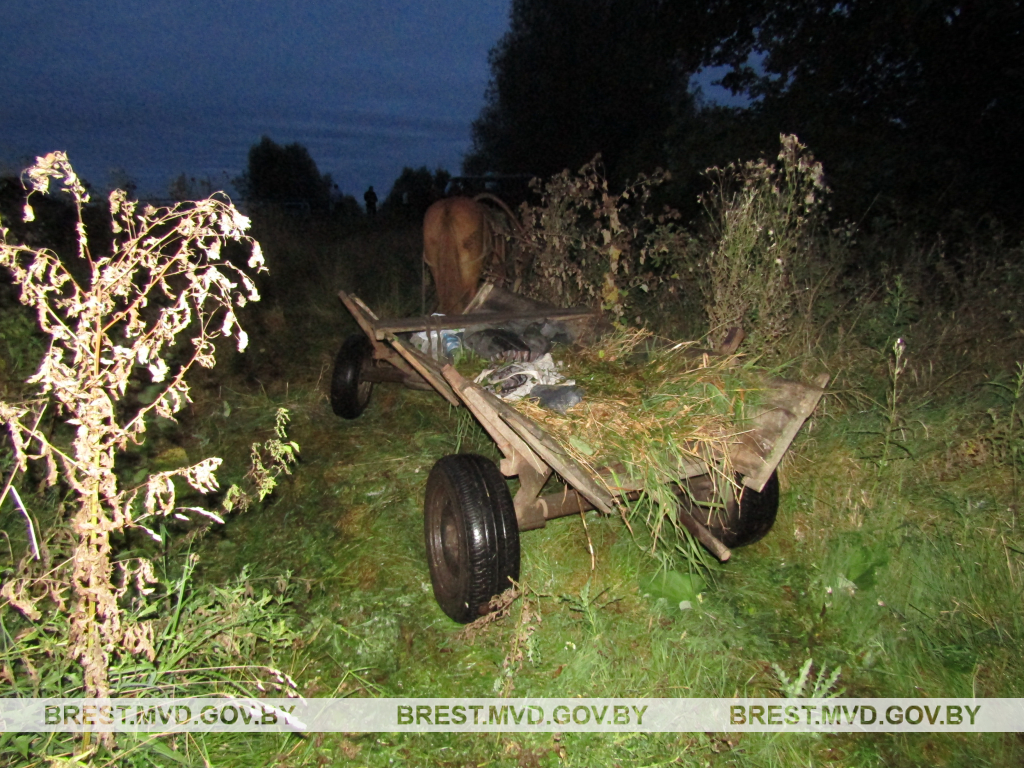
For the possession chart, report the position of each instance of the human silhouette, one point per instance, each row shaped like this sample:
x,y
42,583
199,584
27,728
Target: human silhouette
x,y
370,198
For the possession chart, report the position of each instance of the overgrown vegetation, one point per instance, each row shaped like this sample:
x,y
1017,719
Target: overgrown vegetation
x,y
583,245
81,585
760,261
913,108
896,567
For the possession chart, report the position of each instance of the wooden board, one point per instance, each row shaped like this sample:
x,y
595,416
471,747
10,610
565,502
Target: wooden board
x,y
477,320
758,450
542,444
427,367
367,321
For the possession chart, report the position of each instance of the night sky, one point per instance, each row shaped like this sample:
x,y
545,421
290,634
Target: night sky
x,y
163,87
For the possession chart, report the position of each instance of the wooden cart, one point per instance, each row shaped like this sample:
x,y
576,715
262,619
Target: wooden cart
x,y
472,523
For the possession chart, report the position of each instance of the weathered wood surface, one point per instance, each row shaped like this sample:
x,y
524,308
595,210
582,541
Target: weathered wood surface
x,y
757,451
545,446
535,510
425,366
532,454
474,321
367,321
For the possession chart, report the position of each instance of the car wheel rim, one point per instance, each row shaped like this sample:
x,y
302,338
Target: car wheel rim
x,y
363,392
450,548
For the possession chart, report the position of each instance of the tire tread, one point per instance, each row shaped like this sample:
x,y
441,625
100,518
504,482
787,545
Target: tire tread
x,y
487,523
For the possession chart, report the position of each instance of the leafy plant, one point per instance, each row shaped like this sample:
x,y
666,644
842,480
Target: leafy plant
x,y
586,605
583,245
167,275
679,590
759,256
522,646
821,688
207,642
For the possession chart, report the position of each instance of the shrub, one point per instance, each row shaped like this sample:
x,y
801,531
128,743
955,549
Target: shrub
x,y
166,276
760,251
583,245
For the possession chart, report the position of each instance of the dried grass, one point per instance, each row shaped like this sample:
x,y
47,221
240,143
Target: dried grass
x,y
641,392
651,407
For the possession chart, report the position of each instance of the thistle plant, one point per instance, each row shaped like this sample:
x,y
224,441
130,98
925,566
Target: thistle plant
x,y
167,276
821,687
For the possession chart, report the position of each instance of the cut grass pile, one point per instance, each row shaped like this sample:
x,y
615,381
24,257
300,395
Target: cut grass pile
x,y
648,403
652,408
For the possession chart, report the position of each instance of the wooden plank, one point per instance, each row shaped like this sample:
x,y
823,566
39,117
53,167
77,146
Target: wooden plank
x,y
511,445
480,298
426,367
556,457
366,320
787,408
476,320
530,511
564,503
519,459
704,536
551,452
358,309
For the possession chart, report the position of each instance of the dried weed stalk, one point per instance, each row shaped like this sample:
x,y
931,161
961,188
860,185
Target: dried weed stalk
x,y
763,218
498,607
584,246
166,276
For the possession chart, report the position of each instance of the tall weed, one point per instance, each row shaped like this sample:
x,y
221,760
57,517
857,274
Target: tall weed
x,y
583,245
761,254
167,276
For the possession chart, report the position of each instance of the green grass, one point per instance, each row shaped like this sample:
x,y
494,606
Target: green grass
x,y
906,573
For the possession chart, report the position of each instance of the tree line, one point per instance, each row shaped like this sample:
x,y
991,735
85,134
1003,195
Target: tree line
x,y
914,106
288,175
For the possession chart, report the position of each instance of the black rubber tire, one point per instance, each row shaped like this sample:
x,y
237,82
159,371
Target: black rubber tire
x,y
743,521
349,393
469,523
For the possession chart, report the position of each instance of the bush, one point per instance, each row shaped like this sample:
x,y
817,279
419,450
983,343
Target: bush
x,y
760,251
583,245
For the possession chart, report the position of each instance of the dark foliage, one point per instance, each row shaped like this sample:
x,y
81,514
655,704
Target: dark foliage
x,y
572,79
284,175
920,105
916,109
414,191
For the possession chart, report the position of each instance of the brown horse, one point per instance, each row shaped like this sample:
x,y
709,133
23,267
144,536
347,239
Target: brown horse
x,y
460,237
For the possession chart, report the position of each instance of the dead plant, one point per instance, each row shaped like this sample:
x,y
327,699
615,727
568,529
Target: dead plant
x,y
167,276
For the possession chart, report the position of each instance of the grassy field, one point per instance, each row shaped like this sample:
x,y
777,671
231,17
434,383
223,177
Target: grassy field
x,y
897,559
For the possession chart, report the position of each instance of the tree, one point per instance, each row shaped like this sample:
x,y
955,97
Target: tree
x,y
183,188
414,191
285,174
573,79
918,103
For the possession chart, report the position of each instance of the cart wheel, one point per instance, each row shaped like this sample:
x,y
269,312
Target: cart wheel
x,y
742,521
349,394
472,534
